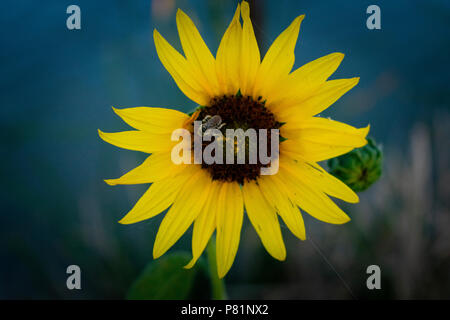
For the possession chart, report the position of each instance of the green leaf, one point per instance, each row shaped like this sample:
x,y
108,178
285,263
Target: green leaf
x,y
164,279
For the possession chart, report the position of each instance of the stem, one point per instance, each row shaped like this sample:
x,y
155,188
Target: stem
x,y
218,285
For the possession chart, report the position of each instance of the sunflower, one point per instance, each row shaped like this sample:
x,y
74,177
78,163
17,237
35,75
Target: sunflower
x,y
247,93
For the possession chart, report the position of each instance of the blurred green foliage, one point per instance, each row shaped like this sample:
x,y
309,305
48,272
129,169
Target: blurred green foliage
x,y
164,278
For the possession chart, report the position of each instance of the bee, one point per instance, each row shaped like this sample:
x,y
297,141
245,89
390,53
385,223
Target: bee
x,y
214,122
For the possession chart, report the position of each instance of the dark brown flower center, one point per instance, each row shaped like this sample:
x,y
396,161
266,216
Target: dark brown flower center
x,y
239,112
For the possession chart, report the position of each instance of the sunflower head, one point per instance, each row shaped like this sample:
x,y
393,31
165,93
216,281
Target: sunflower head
x,y
237,90
238,112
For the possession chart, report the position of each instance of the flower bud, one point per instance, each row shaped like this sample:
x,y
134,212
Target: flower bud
x,y
359,168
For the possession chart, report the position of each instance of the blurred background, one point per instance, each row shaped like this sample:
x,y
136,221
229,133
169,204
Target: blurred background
x,y
58,86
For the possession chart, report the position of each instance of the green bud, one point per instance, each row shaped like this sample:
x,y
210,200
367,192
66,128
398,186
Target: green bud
x,y
359,168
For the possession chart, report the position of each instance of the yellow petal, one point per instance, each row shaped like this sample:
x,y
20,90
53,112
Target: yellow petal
x,y
318,71
197,52
156,199
186,77
317,177
138,141
153,120
250,57
230,214
324,130
228,62
317,139
264,220
312,151
279,59
184,211
274,192
311,200
304,82
324,97
205,224
156,167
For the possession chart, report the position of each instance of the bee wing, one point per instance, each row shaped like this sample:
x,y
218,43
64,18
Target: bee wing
x,y
214,121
